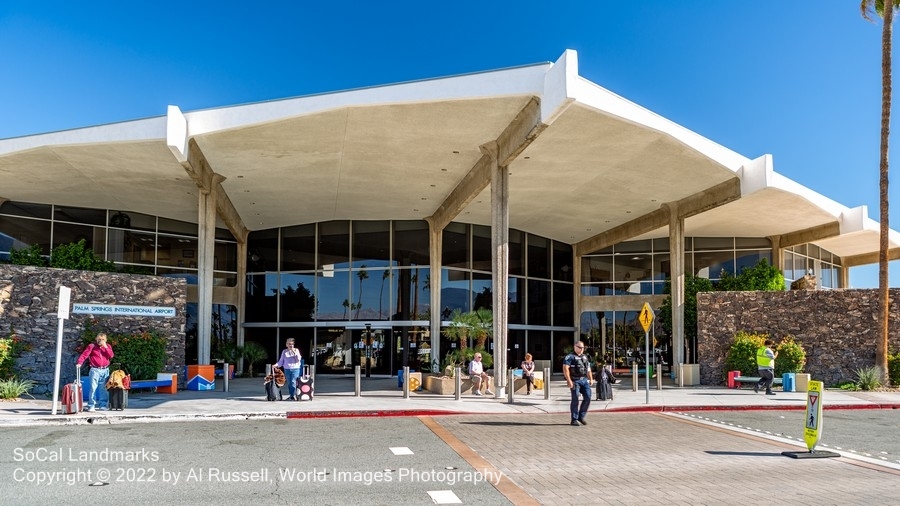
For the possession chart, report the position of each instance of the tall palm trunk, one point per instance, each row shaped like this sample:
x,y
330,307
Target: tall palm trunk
x,y
881,349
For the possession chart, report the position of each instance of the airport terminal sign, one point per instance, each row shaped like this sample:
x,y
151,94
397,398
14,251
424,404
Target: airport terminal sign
x,y
112,310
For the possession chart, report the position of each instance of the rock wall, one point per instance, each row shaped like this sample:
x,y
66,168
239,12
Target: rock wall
x,y
837,328
28,308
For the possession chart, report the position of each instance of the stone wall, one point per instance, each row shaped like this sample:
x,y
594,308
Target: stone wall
x,y
28,307
837,328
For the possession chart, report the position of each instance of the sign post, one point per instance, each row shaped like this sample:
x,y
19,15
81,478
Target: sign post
x,y
812,431
62,313
646,318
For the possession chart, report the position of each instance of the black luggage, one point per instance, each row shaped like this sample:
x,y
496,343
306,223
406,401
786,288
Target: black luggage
x,y
118,399
604,390
273,383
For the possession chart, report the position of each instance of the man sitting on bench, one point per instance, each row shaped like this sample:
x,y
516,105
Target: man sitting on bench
x,y
479,377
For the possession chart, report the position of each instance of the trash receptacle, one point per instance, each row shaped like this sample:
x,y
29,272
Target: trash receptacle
x,y
787,382
400,377
731,376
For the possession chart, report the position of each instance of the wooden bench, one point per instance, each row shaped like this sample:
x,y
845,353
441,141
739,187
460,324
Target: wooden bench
x,y
753,379
164,383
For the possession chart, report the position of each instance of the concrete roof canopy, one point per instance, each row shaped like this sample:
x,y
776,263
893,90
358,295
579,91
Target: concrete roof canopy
x,y
586,166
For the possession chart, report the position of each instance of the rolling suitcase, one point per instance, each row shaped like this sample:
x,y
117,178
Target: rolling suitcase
x,y
118,399
604,390
72,400
305,385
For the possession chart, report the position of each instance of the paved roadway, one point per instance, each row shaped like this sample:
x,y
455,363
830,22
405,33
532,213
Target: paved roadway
x,y
873,433
339,449
618,458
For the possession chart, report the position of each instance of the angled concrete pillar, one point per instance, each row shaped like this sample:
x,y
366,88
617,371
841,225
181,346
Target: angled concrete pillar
x,y
500,261
435,240
676,253
206,240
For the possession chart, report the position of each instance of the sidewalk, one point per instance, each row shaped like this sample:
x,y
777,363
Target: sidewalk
x,y
335,396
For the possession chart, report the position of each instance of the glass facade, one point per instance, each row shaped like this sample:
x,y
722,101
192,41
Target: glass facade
x,y
135,242
333,278
642,267
322,283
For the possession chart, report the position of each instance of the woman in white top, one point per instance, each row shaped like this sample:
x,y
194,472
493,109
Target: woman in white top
x,y
290,362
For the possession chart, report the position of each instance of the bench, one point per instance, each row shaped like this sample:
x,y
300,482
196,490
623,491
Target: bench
x,y
753,379
164,383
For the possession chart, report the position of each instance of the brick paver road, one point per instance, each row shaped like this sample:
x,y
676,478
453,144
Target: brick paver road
x,y
651,458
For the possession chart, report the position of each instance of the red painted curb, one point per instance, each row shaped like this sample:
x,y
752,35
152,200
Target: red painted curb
x,y
373,413
660,409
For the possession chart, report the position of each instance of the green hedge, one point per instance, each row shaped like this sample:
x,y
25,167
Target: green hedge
x,y
742,354
142,355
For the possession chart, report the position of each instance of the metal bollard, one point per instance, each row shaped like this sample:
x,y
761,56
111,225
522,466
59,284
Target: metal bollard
x,y
357,383
510,385
225,377
546,383
268,369
457,381
681,375
634,377
659,376
406,382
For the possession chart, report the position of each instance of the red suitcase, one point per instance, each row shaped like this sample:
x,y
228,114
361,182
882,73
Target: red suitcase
x,y
71,398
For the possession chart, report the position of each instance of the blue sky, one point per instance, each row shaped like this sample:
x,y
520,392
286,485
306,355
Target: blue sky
x,y
800,83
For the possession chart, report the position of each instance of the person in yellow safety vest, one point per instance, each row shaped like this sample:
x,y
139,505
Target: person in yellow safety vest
x,y
765,363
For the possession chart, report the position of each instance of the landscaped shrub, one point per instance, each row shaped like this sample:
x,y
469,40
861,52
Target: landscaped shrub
x,y
742,353
141,355
31,255
894,369
77,256
868,378
791,357
12,388
10,350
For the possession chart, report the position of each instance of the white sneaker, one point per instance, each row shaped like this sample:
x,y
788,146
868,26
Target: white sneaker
x,y
489,392
476,392
91,409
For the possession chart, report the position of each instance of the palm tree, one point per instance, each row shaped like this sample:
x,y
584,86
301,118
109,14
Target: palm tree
x,y
482,322
362,275
459,329
884,9
384,276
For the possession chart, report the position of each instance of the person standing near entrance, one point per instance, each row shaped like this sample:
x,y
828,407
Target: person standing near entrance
x,y
528,372
290,362
765,363
579,379
98,356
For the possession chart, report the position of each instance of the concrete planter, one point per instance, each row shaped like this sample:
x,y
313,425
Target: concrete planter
x,y
445,385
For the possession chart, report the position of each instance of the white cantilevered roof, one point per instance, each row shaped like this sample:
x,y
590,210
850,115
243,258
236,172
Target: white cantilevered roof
x,y
398,151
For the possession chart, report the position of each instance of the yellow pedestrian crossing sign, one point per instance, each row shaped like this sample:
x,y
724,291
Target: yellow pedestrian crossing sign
x,y
646,317
813,430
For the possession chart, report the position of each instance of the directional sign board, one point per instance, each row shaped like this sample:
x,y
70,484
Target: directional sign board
x,y
646,317
813,430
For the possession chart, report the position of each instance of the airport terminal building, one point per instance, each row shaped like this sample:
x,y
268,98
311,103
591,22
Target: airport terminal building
x,y
358,221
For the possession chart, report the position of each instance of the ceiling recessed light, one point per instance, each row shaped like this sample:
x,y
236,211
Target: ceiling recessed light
x,y
443,170
424,198
240,177
455,152
527,157
433,186
415,210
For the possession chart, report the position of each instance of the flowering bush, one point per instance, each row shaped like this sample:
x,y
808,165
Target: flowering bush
x,y
142,355
10,350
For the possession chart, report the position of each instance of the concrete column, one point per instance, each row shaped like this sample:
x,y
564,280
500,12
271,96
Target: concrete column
x,y
777,255
676,253
500,261
576,273
844,274
435,251
241,294
206,238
